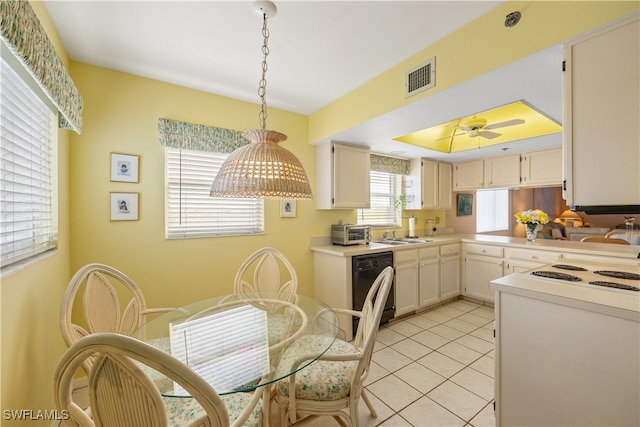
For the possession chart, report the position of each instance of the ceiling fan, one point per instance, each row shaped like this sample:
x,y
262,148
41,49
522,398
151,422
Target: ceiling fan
x,y
478,127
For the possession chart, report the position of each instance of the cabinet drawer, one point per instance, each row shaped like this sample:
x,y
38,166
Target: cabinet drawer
x,y
450,249
487,250
429,253
400,257
529,255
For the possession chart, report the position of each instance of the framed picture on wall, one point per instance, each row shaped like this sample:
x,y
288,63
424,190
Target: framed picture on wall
x,y
124,167
287,208
124,206
465,204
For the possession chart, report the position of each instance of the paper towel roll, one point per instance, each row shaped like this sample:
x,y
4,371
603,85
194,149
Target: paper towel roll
x,y
412,227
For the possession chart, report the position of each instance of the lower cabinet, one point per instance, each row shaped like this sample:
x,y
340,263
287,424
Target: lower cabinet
x,y
449,271
407,280
429,276
482,264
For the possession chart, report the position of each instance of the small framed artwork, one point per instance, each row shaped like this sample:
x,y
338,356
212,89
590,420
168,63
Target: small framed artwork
x,y
124,167
124,206
287,208
465,204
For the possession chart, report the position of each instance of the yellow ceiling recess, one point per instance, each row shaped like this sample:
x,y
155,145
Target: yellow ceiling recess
x,y
508,123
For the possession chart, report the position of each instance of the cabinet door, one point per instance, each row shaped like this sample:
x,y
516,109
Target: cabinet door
x,y
542,167
502,172
351,176
429,184
429,282
601,100
468,175
445,192
449,277
406,288
479,271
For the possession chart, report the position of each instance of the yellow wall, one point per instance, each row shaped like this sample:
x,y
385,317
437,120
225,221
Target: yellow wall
x,y
31,340
121,113
479,47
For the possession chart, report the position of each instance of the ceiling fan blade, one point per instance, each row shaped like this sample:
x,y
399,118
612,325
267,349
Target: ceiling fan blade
x,y
504,124
488,135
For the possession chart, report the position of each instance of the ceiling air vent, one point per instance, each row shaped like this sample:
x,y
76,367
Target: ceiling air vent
x,y
421,78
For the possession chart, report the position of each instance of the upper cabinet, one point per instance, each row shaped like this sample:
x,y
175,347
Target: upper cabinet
x,y
502,172
601,90
540,168
468,175
429,185
342,176
531,169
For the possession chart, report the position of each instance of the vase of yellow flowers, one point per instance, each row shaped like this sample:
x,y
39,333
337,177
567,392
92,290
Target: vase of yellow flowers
x,y
533,220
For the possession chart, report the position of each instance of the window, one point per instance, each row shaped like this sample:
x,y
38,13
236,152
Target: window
x,y
29,203
385,190
190,212
492,210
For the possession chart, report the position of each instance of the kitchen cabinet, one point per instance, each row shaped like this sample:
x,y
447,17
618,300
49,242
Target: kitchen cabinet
x,y
430,185
468,175
429,276
541,168
342,176
601,136
519,260
502,172
449,271
482,264
407,280
576,358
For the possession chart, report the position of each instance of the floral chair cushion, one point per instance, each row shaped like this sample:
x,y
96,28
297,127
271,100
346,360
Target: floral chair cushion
x,y
321,380
181,411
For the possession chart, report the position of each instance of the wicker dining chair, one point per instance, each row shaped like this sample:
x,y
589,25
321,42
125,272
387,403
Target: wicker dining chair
x,y
333,384
105,307
265,266
590,239
122,394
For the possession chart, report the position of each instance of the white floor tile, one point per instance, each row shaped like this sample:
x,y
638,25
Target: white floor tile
x,y
430,339
396,421
456,399
484,311
390,359
474,319
420,377
388,336
425,413
394,392
441,364
449,311
483,333
486,365
477,344
486,417
376,372
405,328
446,331
422,321
436,316
476,382
461,325
412,349
460,353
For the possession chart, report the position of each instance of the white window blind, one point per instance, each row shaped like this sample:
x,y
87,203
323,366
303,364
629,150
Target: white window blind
x,y
492,210
29,203
190,212
228,349
385,190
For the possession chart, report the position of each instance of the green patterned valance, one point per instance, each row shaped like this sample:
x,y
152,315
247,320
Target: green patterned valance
x,y
388,164
176,134
20,29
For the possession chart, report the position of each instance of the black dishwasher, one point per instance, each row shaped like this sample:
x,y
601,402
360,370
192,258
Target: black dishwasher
x,y
364,271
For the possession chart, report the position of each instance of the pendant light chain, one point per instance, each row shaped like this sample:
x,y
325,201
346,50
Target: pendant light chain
x,y
262,90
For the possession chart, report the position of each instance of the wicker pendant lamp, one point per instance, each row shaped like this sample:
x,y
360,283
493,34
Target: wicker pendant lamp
x,y
262,169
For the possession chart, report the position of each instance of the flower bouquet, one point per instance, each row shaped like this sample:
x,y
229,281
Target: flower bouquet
x,y
532,219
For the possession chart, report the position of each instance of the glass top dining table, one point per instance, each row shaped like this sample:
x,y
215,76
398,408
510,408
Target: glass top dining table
x,y
235,342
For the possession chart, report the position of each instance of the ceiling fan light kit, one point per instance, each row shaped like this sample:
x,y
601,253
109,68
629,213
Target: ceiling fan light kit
x,y
262,169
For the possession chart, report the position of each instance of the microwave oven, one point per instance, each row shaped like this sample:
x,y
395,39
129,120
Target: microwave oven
x,y
350,234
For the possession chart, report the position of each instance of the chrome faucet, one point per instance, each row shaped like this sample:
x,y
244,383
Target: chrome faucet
x,y
384,235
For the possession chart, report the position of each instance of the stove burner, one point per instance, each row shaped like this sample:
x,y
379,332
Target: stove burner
x,y
615,285
569,267
556,275
619,274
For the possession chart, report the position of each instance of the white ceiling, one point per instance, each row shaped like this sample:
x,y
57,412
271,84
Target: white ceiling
x,y
319,51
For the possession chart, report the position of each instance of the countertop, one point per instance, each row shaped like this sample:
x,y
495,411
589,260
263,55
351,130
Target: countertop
x,y
623,251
